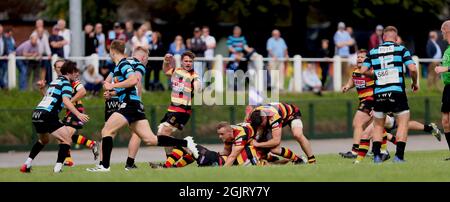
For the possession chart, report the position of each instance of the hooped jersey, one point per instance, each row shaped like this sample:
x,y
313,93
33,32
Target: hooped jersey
x,y
275,118
76,86
52,101
122,72
288,112
387,61
363,84
243,133
182,90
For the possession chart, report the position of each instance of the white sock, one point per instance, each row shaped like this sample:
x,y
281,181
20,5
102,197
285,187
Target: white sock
x,y
28,162
58,167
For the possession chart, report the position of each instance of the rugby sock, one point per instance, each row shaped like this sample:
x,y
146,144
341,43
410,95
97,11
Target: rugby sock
x,y
311,159
288,154
185,160
447,137
177,154
384,144
62,152
393,140
427,128
164,141
355,148
130,161
81,140
37,147
400,150
376,148
28,162
363,148
272,158
107,145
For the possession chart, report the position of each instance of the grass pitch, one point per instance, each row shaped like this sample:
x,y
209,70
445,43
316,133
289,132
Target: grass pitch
x,y
425,166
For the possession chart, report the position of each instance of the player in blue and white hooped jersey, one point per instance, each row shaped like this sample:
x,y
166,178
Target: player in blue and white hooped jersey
x,y
387,62
45,116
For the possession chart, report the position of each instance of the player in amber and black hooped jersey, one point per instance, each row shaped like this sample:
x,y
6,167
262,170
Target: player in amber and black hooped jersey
x,y
131,111
387,62
45,116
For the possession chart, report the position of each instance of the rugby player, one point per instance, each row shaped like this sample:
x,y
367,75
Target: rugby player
x,y
387,62
444,69
131,110
70,120
45,116
270,119
185,82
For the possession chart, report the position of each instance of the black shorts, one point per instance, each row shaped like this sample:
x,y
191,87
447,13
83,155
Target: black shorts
x,y
111,106
366,106
446,99
390,102
296,115
132,111
73,121
45,122
208,157
176,119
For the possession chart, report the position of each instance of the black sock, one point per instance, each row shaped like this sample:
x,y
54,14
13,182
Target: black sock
x,y
164,141
376,147
100,163
427,128
400,150
75,139
130,161
355,148
62,152
107,145
37,147
447,137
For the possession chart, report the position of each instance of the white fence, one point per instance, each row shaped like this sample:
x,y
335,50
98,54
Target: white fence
x,y
218,61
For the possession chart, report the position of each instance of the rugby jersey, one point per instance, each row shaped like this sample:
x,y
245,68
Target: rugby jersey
x,y
52,101
121,72
275,119
363,84
286,111
76,86
387,61
182,90
243,133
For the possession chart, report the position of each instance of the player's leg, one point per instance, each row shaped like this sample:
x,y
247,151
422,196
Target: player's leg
x,y
114,123
446,125
364,143
359,120
287,154
429,128
37,147
297,131
63,135
133,147
377,135
402,134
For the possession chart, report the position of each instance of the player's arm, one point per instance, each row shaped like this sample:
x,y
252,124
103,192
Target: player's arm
x,y
66,96
226,150
276,139
168,64
349,85
235,151
412,69
139,83
441,69
42,88
130,81
81,92
366,67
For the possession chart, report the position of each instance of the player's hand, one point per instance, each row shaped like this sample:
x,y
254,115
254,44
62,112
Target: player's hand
x,y
414,87
108,86
371,113
83,117
256,144
345,88
440,69
168,58
107,95
41,84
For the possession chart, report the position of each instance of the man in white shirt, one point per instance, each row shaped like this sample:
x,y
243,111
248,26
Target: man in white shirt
x,y
65,33
210,46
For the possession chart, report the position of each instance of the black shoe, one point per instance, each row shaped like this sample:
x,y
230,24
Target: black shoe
x,y
132,167
447,159
385,157
348,155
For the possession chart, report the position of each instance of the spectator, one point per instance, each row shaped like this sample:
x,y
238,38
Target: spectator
x,y
376,38
65,33
210,44
324,52
198,47
139,39
104,71
92,80
147,27
156,50
353,49
177,47
57,42
45,52
101,50
311,79
3,63
236,43
9,46
116,34
343,41
277,51
433,51
129,33
91,42
29,49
